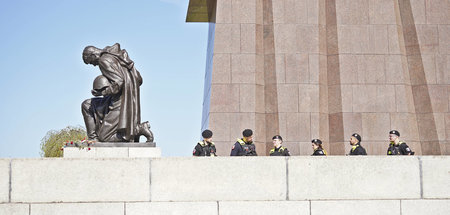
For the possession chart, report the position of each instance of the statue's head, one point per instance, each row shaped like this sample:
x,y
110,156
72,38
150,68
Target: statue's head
x,y
91,55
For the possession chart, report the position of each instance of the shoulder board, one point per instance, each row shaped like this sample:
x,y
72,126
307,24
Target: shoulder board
x,y
212,143
272,151
240,141
201,143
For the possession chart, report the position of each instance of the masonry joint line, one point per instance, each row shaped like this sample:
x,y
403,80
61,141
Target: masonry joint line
x,y
310,211
218,209
421,177
150,179
10,181
287,178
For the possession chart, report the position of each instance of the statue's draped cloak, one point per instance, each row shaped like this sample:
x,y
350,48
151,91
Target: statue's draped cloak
x,y
115,65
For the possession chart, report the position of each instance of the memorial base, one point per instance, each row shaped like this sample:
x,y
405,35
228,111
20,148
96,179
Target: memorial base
x,y
113,150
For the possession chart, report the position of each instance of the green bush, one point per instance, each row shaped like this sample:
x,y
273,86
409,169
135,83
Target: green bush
x,y
54,140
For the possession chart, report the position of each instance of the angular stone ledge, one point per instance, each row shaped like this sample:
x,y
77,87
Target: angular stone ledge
x,y
78,209
200,10
118,145
436,177
235,178
14,209
185,208
112,152
80,180
353,177
264,207
420,207
366,207
4,180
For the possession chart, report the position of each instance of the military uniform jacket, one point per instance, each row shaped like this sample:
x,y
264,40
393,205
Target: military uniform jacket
x,y
319,152
281,151
357,150
204,148
400,149
241,148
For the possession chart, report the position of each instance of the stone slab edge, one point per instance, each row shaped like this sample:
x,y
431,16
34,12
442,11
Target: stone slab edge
x,y
5,180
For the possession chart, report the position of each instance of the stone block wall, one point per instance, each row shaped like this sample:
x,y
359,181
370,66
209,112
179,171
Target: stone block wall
x,y
259,185
325,69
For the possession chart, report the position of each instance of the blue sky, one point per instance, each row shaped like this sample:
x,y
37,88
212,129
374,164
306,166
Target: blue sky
x,y
44,80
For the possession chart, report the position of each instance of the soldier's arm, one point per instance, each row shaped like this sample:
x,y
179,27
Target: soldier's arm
x,y
254,151
287,153
196,151
389,152
405,150
360,151
235,150
111,70
213,150
363,151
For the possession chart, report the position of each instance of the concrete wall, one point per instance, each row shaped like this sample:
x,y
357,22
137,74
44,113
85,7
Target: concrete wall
x,y
226,185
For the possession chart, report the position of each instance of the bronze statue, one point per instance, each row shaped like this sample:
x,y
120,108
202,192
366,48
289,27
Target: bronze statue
x,y
114,115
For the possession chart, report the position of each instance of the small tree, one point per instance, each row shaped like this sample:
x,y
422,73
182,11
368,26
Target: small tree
x,y
54,140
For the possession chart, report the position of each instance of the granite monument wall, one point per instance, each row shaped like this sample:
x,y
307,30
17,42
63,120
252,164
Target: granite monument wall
x,y
325,69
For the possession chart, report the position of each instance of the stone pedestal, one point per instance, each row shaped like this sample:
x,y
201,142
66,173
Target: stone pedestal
x,y
113,150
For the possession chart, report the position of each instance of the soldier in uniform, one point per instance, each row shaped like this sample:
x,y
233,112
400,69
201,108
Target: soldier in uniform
x,y
397,147
357,149
278,149
317,147
205,147
244,146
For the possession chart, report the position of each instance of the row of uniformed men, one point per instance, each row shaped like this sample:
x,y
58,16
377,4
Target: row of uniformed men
x,y
245,147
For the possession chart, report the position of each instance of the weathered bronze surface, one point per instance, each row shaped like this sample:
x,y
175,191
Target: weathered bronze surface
x,y
114,114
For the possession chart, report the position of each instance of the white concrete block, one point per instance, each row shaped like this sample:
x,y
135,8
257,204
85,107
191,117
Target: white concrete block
x,y
78,209
353,177
218,178
355,207
106,152
144,152
420,207
173,208
80,180
264,207
14,209
436,176
4,180
112,152
75,152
